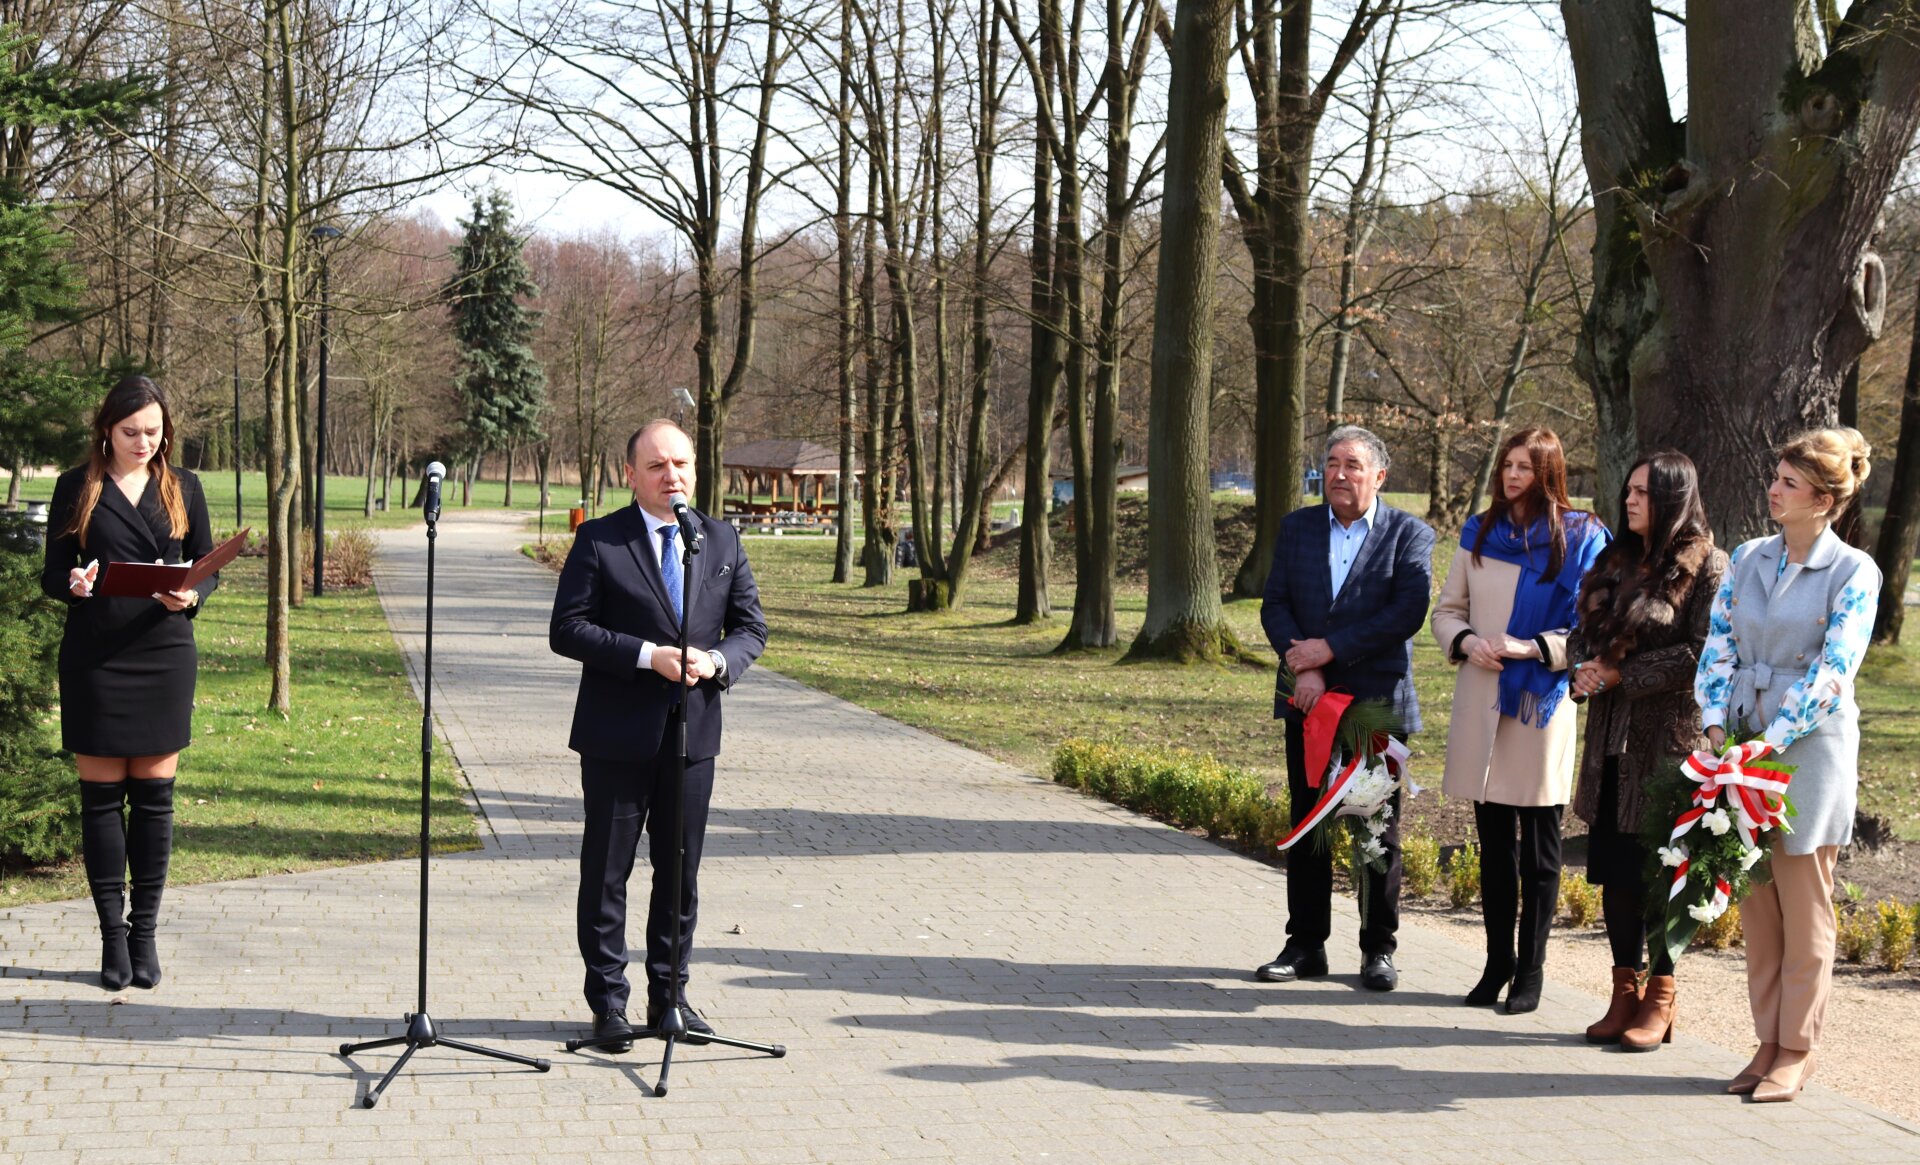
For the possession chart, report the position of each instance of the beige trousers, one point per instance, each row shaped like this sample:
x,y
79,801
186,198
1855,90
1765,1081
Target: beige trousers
x,y
1789,930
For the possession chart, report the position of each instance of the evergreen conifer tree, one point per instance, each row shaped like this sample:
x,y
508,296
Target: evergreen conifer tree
x,y
503,389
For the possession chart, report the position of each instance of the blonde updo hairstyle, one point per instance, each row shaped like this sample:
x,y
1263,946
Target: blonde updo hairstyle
x,y
1835,462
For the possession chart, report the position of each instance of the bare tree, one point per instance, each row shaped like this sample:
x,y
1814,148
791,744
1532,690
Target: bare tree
x,y
1184,618
672,105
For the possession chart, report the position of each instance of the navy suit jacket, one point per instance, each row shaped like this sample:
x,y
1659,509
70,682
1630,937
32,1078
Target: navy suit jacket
x,y
611,598
1371,626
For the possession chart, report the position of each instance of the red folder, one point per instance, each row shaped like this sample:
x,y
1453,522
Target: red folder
x,y
143,579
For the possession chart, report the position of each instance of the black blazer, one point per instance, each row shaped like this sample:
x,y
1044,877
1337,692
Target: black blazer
x,y
1371,626
99,627
611,598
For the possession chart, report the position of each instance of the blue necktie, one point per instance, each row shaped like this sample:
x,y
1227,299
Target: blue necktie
x,y
670,570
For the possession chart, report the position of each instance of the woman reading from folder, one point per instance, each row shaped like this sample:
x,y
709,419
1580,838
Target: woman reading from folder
x,y
127,665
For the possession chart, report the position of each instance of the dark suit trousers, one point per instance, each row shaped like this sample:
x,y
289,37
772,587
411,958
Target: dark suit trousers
x,y
621,797
1310,869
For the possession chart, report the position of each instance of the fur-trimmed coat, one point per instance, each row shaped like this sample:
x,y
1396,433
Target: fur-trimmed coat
x,y
1654,637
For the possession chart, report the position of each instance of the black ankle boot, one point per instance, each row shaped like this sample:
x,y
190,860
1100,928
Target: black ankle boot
x,y
149,846
1524,995
1486,992
103,846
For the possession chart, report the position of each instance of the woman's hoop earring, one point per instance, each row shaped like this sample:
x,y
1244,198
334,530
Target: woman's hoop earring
x,y
104,451
164,442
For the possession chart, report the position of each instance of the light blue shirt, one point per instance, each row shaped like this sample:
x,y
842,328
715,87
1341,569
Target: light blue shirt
x,y
1344,542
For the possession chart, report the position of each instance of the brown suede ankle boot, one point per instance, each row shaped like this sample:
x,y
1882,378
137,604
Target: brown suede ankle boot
x,y
1653,1023
1621,1009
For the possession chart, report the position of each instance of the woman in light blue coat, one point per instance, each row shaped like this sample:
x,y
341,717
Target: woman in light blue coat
x,y
1788,633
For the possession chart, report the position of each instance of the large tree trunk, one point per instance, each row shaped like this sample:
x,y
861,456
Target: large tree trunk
x,y
1032,603
1735,282
1901,525
1184,619
844,306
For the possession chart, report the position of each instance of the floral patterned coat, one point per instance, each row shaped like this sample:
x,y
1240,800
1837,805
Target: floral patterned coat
x,y
1784,644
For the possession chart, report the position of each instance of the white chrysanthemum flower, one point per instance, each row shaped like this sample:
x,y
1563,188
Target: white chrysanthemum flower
x,y
1674,856
1717,822
1752,857
1372,850
1706,912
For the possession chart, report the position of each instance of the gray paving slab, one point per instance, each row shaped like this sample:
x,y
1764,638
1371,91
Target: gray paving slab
x,y
968,963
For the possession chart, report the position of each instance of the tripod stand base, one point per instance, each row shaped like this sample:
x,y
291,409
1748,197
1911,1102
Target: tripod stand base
x,y
674,1031
422,1034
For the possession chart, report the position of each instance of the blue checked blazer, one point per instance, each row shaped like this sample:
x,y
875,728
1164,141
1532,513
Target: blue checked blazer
x,y
1371,626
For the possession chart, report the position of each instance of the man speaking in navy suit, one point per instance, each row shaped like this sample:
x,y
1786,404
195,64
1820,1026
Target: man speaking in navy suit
x,y
617,612
1349,589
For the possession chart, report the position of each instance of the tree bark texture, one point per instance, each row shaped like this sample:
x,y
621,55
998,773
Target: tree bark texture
x,y
1901,525
1184,619
1734,272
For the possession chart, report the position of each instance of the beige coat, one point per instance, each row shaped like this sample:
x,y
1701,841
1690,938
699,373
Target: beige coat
x,y
1491,757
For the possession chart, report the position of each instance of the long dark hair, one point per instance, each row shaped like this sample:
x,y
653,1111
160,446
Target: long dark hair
x,y
126,398
1546,498
1676,515
1639,577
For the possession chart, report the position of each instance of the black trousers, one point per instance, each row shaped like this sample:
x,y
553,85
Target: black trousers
x,y
622,797
1310,870
1519,878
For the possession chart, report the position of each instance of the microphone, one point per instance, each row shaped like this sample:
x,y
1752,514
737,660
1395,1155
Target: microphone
x,y
435,472
683,514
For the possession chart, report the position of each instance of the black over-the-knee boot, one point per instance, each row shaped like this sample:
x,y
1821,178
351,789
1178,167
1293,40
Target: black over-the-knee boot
x,y
103,845
1499,898
149,845
1540,861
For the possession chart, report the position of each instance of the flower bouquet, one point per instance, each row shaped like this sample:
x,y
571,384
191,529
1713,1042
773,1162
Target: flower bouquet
x,y
1355,760
1721,807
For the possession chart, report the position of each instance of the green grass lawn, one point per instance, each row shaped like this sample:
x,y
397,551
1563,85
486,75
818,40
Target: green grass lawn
x,y
337,783
969,676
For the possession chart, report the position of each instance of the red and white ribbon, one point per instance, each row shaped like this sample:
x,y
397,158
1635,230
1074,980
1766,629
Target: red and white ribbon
x,y
1755,795
1395,754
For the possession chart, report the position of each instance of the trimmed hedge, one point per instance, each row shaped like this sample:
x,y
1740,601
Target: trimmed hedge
x,y
1186,789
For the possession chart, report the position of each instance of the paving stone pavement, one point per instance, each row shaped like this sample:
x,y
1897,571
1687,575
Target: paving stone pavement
x,y
968,964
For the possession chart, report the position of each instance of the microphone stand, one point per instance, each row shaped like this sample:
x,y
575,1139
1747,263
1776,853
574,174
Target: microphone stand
x,y
673,1025
421,1032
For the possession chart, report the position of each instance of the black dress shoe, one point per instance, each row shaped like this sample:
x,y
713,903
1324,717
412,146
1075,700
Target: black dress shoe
x,y
613,1023
1377,973
697,1028
1293,963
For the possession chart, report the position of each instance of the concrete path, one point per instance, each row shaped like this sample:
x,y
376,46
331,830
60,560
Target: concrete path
x,y
968,965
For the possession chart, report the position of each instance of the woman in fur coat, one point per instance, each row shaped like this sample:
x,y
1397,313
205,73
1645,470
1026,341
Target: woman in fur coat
x,y
1644,610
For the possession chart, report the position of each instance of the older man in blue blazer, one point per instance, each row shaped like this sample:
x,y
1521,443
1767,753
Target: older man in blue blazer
x,y
618,611
1349,589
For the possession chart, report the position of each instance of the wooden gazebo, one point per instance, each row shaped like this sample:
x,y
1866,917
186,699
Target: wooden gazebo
x,y
794,473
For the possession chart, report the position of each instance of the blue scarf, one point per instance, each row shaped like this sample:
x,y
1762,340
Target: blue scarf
x,y
1530,691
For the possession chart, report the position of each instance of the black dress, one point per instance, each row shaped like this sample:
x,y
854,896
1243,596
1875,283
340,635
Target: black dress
x,y
127,665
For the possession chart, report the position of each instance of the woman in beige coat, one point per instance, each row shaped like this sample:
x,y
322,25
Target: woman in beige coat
x,y
1503,617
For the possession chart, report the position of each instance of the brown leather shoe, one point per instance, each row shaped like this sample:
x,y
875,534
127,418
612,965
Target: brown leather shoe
x,y
1755,1071
1620,1009
1790,1072
1653,1022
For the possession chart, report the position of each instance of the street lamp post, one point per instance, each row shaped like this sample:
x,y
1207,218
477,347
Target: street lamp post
x,y
239,513
321,235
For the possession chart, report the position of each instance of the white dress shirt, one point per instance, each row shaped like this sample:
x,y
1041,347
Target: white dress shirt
x,y
654,526
1344,542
